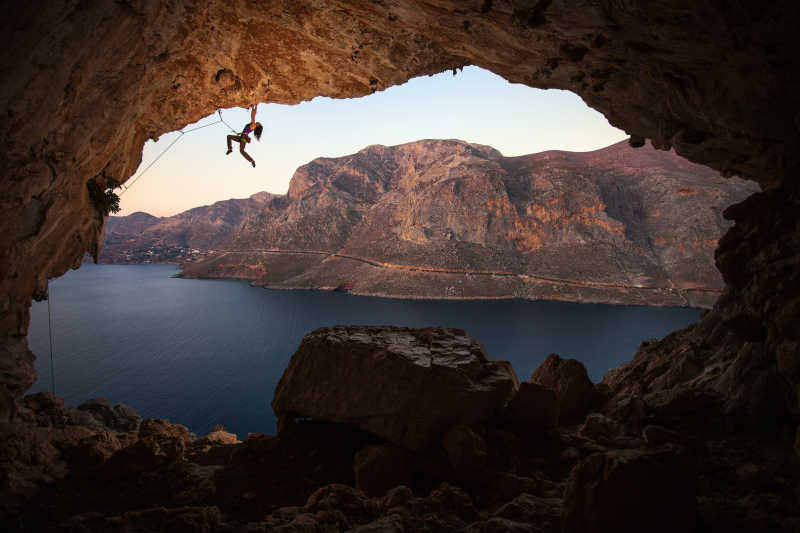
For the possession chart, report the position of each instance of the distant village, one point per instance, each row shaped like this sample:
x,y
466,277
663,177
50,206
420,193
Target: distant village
x,y
156,254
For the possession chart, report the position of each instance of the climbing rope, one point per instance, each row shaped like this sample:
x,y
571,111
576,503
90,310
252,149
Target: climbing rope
x,y
223,121
178,138
50,328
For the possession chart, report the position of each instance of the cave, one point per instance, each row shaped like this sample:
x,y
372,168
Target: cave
x,y
86,84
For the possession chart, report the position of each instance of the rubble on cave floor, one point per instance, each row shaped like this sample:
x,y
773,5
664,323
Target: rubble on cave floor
x,y
615,462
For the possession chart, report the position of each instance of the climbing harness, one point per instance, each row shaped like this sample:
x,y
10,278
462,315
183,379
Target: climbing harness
x,y
50,328
178,138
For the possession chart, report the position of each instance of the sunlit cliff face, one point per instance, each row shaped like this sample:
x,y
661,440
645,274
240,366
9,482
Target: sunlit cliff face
x,y
85,85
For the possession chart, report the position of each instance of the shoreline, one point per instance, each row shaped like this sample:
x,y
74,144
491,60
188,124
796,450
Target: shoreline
x,y
624,301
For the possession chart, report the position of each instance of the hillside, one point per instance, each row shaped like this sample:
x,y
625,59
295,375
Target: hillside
x,y
140,237
450,219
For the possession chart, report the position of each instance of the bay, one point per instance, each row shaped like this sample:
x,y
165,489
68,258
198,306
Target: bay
x,y
206,352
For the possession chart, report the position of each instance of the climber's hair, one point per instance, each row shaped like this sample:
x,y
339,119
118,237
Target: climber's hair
x,y
257,131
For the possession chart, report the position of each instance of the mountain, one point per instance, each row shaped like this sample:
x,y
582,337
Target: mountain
x,y
140,237
450,219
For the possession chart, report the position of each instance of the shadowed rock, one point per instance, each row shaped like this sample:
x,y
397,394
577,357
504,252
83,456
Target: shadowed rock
x,y
160,444
379,468
466,450
408,386
534,404
629,491
569,380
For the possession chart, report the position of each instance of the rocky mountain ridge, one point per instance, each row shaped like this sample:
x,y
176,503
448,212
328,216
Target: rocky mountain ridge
x,y
450,219
141,237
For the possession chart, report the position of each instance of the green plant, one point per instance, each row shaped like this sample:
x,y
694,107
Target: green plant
x,y
104,199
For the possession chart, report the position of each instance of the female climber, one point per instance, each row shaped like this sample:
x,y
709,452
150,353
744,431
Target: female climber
x,y
243,138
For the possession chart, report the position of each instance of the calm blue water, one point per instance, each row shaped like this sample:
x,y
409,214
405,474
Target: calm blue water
x,y
202,352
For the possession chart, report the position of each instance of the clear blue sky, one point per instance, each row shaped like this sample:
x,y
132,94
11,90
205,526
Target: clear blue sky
x,y
475,106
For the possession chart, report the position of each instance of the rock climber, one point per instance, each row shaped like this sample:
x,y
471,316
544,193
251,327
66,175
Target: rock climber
x,y
243,138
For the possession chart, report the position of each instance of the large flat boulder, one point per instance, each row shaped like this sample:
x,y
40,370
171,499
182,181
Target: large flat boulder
x,y
408,386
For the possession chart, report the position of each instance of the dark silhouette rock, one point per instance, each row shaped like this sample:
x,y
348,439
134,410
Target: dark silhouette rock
x,y
93,451
378,468
466,450
159,444
797,441
505,486
569,380
408,386
599,427
658,435
534,404
158,520
631,491
341,507
544,513
118,418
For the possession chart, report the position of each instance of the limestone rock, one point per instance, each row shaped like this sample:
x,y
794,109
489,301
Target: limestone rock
x,y
631,491
219,436
378,468
160,444
466,450
545,513
117,418
159,520
341,506
48,410
498,524
408,386
392,523
397,496
210,227
534,404
505,486
657,435
93,451
797,441
439,203
569,380
599,427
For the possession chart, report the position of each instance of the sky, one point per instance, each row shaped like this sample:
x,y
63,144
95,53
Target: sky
x,y
475,106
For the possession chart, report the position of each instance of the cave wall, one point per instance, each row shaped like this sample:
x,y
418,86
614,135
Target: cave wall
x,y
85,84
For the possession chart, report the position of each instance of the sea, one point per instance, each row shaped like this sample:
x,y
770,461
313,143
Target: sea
x,y
207,352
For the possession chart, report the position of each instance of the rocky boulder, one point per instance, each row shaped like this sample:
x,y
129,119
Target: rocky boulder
x,y
599,427
632,491
466,450
568,379
102,414
408,386
378,468
534,405
160,444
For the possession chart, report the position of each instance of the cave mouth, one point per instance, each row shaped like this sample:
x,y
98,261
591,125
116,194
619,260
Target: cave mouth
x,y
472,104
433,105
